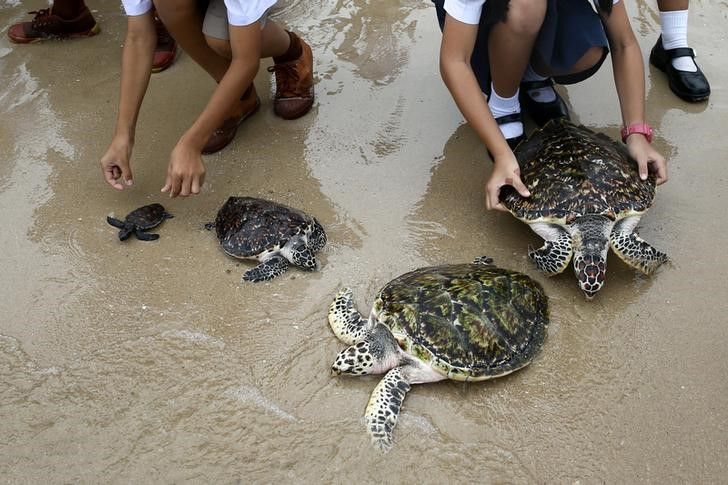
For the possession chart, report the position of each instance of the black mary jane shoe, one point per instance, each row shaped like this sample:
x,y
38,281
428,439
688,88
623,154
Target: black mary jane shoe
x,y
512,142
542,113
690,86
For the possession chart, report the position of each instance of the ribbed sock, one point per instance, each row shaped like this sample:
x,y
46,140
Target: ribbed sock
x,y
505,106
540,95
295,49
675,34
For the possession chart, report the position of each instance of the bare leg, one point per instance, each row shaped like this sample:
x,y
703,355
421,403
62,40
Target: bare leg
x,y
672,5
184,23
511,42
274,42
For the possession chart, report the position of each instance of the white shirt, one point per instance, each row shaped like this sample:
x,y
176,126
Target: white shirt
x,y
468,11
239,12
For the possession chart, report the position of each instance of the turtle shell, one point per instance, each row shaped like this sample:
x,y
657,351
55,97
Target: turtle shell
x,y
247,226
572,171
468,321
147,217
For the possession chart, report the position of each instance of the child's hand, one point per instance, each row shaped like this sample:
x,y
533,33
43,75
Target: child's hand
x,y
505,172
115,164
647,158
186,172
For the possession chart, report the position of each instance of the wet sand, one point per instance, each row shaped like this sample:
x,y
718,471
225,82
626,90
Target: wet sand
x,y
151,362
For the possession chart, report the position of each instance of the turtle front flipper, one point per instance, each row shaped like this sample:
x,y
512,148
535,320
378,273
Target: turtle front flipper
x,y
115,222
553,257
267,270
384,406
346,322
145,236
633,250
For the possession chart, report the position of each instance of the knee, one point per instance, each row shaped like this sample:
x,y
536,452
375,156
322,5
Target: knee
x,y
526,16
590,59
220,46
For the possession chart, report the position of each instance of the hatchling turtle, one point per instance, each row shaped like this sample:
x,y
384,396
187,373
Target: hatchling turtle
x,y
586,195
465,322
139,221
272,233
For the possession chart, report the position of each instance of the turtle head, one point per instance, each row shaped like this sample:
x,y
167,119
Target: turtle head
x,y
303,257
591,243
376,354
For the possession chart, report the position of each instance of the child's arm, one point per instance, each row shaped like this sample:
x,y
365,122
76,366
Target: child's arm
x,y
629,80
136,67
458,40
186,172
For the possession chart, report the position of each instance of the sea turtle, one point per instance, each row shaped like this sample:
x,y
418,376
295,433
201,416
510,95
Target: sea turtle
x,y
272,233
465,322
139,221
586,195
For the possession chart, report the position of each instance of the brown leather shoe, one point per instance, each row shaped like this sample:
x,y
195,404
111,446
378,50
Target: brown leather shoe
x,y
47,25
222,137
294,85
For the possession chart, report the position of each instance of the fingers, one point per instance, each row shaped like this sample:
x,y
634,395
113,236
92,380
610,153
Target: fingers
x,y
126,175
111,175
642,168
659,166
518,184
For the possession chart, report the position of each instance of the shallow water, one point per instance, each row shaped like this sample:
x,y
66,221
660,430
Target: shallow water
x,y
152,362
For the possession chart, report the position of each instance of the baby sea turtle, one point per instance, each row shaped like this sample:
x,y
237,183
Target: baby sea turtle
x,y
272,233
139,221
586,195
466,322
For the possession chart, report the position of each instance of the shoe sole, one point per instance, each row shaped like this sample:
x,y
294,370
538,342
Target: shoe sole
x,y
77,35
240,122
302,111
680,94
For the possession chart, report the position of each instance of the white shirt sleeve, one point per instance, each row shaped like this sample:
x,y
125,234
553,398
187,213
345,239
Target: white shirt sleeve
x,y
136,7
466,11
245,12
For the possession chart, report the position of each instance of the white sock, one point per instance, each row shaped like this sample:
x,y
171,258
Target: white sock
x,y
540,95
675,34
505,106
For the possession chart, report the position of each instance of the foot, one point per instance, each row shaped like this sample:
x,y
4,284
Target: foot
x,y
47,25
541,101
226,133
166,47
688,85
512,132
294,85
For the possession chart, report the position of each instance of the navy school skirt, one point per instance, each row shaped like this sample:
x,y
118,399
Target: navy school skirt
x,y
570,28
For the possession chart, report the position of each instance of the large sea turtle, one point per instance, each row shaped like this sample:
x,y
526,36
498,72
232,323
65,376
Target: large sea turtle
x,y
272,233
139,221
586,195
466,322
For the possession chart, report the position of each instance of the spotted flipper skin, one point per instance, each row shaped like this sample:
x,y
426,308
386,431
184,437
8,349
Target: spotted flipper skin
x,y
553,257
384,406
346,322
267,270
636,252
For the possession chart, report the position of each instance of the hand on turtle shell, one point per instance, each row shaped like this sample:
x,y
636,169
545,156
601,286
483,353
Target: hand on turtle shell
x,y
115,164
647,158
186,172
505,172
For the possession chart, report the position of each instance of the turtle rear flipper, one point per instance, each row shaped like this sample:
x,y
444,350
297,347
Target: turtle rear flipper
x,y
553,257
145,236
267,270
636,252
346,322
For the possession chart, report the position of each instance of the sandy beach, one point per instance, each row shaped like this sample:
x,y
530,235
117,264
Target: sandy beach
x,y
149,362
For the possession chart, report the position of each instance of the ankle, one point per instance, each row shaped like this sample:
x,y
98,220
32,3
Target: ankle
x,y
295,49
68,9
